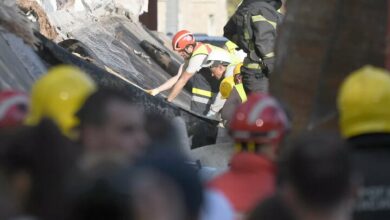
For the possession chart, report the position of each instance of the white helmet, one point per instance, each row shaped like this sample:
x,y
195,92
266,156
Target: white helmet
x,y
219,56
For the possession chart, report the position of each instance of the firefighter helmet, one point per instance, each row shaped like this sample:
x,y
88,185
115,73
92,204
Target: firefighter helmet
x,y
182,39
364,101
58,95
259,120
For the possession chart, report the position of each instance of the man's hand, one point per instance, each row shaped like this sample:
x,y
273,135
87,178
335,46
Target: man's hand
x,y
153,92
212,114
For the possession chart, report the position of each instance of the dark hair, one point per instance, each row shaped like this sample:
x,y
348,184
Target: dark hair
x,y
161,131
172,164
93,112
104,195
51,161
318,167
273,208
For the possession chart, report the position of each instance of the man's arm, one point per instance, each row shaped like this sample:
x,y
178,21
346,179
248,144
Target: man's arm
x,y
264,34
185,76
217,105
168,84
194,65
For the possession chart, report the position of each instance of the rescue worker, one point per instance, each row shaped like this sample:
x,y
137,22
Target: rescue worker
x,y
221,66
228,83
256,36
257,129
195,54
58,95
363,103
13,108
237,56
237,95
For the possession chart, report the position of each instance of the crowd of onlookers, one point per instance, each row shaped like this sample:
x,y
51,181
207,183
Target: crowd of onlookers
x,y
74,151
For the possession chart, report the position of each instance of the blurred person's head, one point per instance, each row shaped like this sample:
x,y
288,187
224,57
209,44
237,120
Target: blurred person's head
x,y
162,131
13,108
316,177
58,95
103,194
177,177
184,43
259,125
110,121
364,101
38,163
273,208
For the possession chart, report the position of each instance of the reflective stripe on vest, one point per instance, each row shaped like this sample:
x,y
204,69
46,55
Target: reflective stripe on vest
x,y
202,49
258,18
253,66
202,92
241,92
200,99
269,55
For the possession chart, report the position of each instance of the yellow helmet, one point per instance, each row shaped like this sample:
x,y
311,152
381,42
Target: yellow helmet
x,y
226,86
364,102
58,95
237,69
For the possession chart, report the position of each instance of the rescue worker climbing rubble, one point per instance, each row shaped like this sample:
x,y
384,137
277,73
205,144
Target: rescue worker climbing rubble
x,y
257,128
253,29
195,54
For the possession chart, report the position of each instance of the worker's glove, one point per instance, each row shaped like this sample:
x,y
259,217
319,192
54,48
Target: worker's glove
x,y
212,114
153,92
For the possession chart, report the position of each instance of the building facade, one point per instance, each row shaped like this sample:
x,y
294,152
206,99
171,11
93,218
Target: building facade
x,y
198,16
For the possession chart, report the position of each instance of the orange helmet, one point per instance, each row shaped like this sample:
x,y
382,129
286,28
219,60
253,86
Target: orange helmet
x,y
182,39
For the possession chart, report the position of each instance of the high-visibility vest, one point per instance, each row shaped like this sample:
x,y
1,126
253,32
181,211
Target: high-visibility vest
x,y
202,49
241,92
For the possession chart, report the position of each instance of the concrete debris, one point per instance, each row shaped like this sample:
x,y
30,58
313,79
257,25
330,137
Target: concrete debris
x,y
44,24
13,21
135,7
143,55
19,65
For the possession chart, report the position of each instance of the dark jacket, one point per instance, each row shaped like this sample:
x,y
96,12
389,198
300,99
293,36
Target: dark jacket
x,y
262,29
371,159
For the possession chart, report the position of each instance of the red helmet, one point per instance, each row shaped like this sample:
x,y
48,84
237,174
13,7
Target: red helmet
x,y
13,108
182,39
259,120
